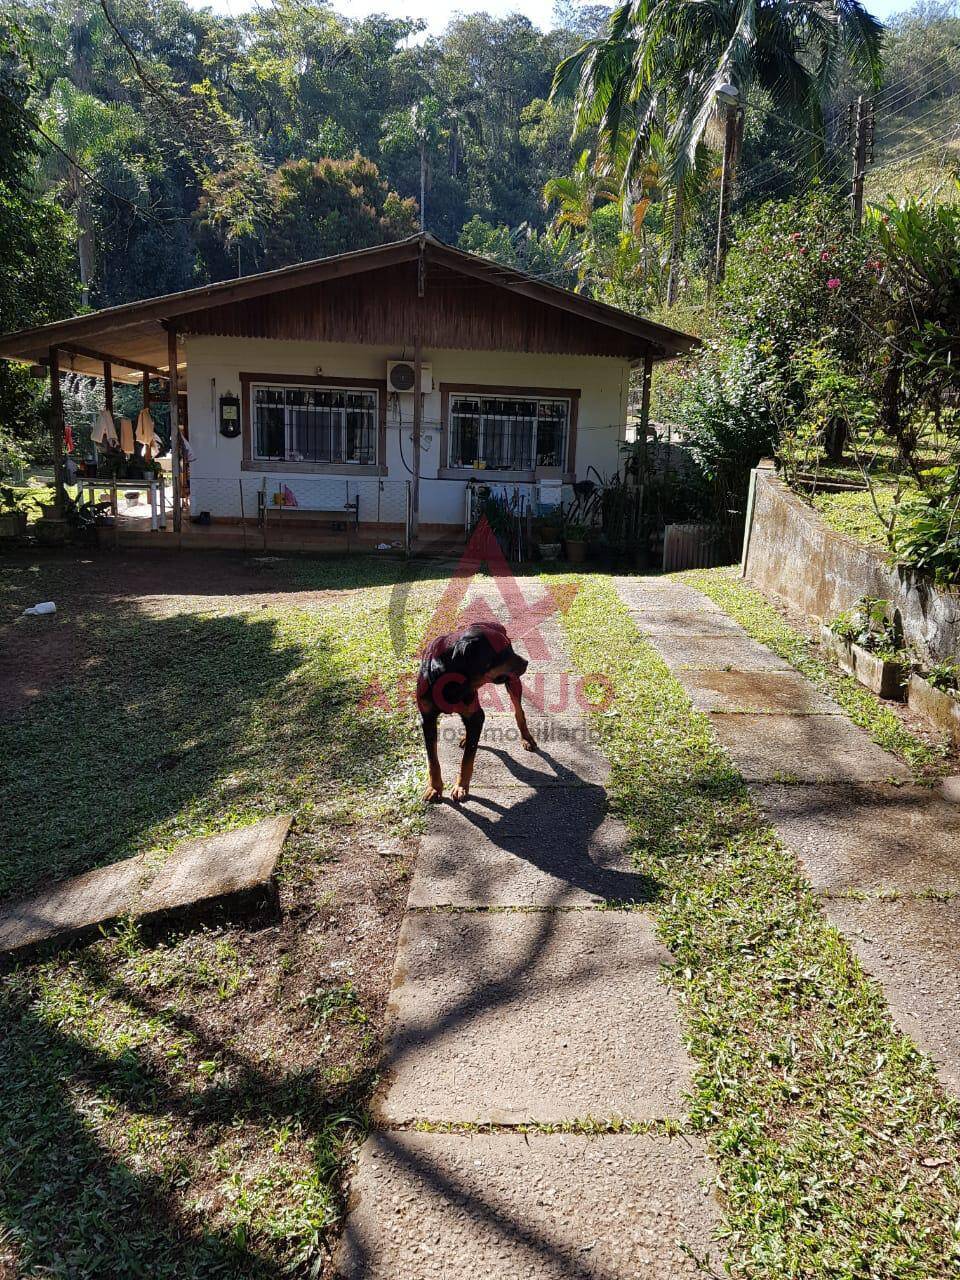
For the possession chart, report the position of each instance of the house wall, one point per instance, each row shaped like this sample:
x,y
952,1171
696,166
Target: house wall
x,y
214,366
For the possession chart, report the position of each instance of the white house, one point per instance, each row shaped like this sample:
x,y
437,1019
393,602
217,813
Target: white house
x,y
380,382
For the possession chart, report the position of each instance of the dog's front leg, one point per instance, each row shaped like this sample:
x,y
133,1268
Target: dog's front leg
x,y
515,690
428,721
473,724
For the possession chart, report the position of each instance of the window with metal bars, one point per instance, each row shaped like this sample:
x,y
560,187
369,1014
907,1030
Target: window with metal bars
x,y
508,433
314,424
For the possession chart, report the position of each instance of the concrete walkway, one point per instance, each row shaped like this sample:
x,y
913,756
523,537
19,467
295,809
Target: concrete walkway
x,y
883,855
517,1001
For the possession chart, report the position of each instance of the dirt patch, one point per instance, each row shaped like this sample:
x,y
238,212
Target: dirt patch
x,y
36,656
161,581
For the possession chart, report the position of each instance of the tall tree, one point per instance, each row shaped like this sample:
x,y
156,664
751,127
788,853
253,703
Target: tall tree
x,y
657,74
36,261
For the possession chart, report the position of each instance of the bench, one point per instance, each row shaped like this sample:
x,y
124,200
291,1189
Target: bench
x,y
339,519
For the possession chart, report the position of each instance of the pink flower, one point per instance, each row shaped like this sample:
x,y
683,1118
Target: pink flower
x,y
824,257
795,235
833,283
802,249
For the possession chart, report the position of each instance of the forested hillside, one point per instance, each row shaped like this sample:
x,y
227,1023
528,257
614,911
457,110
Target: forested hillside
x,y
188,145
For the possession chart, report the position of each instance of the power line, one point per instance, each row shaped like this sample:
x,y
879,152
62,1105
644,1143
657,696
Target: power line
x,y
114,195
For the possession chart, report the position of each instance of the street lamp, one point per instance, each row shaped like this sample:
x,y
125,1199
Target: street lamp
x,y
728,101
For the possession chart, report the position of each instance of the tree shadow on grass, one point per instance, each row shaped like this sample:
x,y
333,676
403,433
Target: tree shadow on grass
x,y
188,724
69,1206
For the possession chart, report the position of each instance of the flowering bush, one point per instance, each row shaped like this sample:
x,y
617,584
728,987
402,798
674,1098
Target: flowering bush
x,y
794,270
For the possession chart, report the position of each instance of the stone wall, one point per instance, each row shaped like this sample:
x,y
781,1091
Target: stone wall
x,y
789,552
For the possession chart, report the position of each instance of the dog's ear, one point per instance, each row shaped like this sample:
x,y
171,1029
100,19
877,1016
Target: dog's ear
x,y
472,655
449,687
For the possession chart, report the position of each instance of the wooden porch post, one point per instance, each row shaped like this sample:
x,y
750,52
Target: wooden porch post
x,y
56,429
174,422
108,386
647,378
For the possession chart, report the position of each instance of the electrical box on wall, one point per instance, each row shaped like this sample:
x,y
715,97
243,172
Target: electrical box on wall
x,y
230,416
401,377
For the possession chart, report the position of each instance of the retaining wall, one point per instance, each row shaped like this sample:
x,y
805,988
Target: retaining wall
x,y
791,553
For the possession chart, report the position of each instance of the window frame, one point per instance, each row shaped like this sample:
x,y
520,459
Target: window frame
x,y
251,382
450,392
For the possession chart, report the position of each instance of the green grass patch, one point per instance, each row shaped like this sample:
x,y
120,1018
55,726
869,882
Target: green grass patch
x,y
838,1153
182,1106
761,620
852,512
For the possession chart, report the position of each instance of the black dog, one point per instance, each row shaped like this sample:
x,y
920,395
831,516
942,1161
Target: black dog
x,y
453,668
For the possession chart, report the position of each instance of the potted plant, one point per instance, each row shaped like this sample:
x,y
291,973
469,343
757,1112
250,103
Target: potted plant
x,y
13,519
575,543
936,695
868,644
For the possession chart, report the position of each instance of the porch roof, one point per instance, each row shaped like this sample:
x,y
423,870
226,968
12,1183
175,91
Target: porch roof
x,y
470,301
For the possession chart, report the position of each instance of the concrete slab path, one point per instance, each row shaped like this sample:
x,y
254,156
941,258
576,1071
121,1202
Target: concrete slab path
x,y
526,1207
528,989
839,801
233,867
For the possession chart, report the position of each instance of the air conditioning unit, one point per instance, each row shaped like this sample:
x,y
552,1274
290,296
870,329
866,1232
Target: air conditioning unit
x,y
400,376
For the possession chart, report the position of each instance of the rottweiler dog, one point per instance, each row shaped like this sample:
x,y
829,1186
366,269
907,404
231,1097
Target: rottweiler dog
x,y
453,668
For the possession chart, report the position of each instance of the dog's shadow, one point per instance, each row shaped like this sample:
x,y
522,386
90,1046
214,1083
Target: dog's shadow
x,y
526,775
565,832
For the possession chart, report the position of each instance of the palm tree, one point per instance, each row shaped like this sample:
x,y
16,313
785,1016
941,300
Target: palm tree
x,y
655,78
577,198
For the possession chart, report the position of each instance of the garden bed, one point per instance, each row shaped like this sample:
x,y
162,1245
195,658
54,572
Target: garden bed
x,y
879,675
937,705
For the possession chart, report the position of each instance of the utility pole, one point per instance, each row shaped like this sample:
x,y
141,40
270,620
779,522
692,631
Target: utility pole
x,y
417,393
863,124
729,99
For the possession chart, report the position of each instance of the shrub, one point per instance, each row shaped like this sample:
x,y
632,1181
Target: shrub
x,y
872,626
927,537
727,417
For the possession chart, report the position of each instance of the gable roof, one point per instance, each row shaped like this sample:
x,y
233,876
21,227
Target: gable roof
x,y
133,335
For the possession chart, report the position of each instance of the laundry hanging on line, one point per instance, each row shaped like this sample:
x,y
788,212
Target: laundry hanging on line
x,y
105,429
147,435
147,432
126,436
67,438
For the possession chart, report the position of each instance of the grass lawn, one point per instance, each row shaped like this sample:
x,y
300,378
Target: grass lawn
x,y
838,1152
180,1106
852,512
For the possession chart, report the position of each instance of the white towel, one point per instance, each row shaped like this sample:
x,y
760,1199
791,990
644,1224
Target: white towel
x,y
126,436
105,429
147,432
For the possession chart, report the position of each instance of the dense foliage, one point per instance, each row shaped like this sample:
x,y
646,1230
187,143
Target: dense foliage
x,y
37,276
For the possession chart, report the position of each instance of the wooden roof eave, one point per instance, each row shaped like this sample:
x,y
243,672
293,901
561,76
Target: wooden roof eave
x,y
664,342
33,344
135,326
